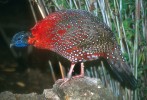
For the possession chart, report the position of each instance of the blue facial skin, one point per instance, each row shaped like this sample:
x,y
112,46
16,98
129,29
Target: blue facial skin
x,y
20,39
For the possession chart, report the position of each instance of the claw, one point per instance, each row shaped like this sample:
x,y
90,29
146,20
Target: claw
x,y
69,76
64,81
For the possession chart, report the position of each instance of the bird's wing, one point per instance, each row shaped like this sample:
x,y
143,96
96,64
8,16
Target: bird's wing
x,y
85,31
89,35
99,39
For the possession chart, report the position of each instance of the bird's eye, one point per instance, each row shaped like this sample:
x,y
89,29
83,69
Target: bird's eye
x,y
18,39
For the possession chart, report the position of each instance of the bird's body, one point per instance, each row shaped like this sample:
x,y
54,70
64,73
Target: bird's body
x,y
76,35
79,36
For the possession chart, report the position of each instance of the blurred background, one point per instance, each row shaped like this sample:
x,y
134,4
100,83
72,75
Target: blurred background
x,y
25,70
22,70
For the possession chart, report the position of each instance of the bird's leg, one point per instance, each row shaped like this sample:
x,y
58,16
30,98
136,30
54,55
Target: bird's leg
x,y
82,72
69,75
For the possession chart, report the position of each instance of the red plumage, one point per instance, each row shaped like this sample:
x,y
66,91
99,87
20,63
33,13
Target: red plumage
x,y
79,36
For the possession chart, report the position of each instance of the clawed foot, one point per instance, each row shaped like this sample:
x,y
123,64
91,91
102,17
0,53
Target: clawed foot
x,y
69,76
78,76
63,81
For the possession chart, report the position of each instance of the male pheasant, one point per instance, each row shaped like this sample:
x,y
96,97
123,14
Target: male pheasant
x,y
78,36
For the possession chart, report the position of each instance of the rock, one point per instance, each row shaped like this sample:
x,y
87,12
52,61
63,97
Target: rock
x,y
50,95
82,89
7,96
75,89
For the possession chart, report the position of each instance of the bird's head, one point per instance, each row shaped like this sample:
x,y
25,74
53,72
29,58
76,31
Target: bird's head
x,y
20,39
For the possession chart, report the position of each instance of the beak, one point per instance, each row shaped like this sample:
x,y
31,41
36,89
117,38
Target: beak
x,y
11,45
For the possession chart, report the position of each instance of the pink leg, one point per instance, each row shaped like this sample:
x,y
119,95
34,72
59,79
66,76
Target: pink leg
x,y
69,75
82,72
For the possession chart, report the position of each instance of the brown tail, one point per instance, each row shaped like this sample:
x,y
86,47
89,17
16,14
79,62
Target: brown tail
x,y
121,69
